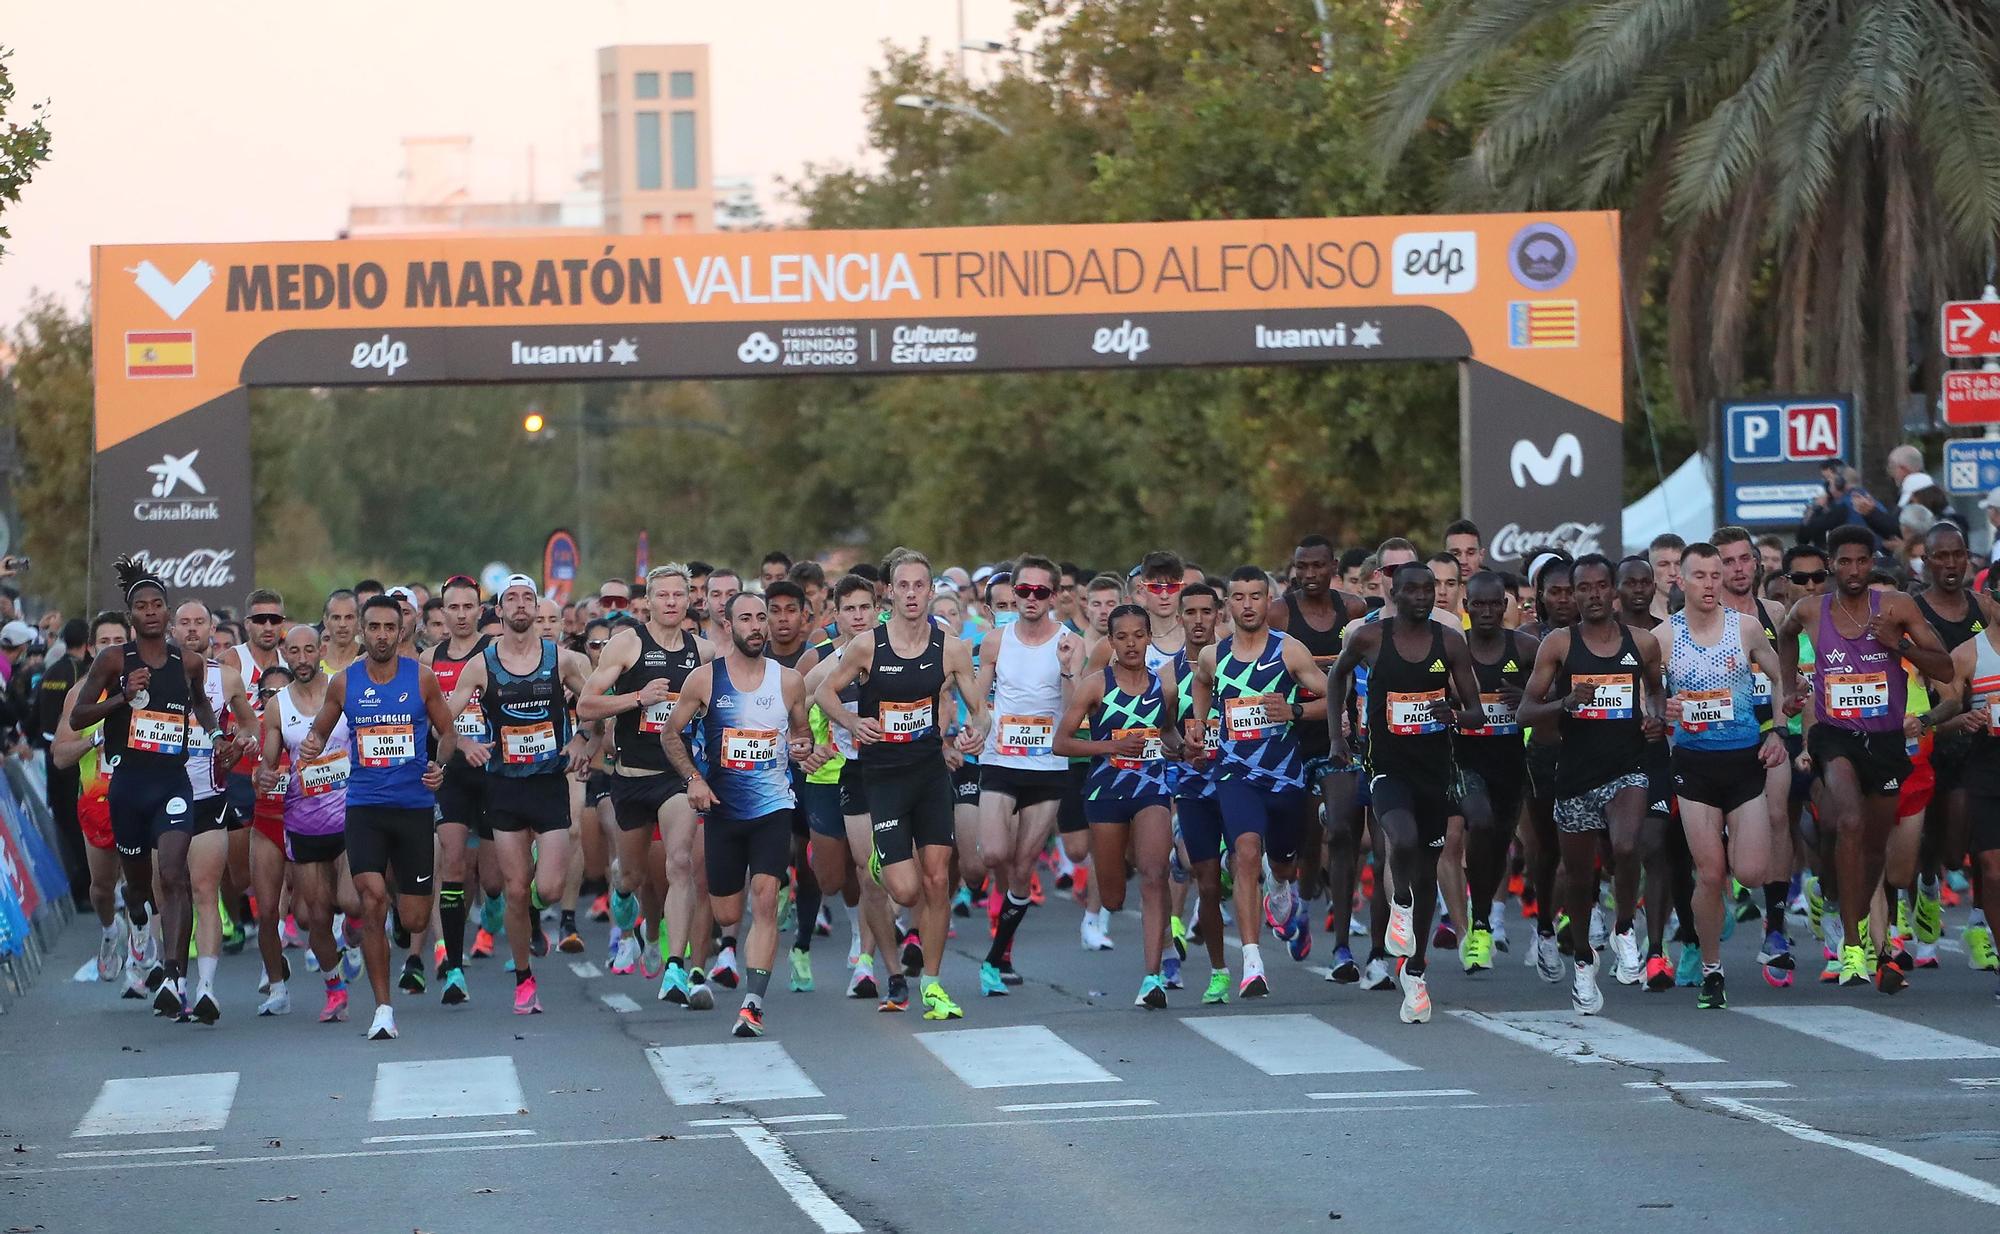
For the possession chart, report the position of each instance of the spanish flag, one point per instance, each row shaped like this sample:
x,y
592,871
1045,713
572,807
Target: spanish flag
x,y
159,353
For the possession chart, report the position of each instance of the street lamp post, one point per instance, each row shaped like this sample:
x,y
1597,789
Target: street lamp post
x,y
930,102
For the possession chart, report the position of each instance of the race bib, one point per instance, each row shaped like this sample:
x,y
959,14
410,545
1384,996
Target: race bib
x,y
322,775
1760,688
1248,719
1411,714
1027,735
280,786
653,719
1500,718
472,721
157,732
906,721
385,745
1612,701
528,743
1993,717
1854,696
1701,708
1211,738
1153,751
200,740
751,749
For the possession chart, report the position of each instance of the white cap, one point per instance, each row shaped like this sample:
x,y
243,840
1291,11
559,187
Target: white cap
x,y
982,574
519,580
1914,481
405,595
1992,501
16,634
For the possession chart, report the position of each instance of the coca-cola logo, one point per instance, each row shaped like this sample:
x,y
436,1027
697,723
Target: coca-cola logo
x,y
1513,543
198,567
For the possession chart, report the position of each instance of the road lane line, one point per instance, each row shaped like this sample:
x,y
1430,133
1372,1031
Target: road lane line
x,y
447,1135
722,1122
446,1088
1074,1105
1977,1081
620,1003
783,1119
1708,1086
728,1074
138,1152
1394,1092
1295,1045
148,1105
585,969
1018,1057
1583,1038
1872,1033
1936,1175
813,1201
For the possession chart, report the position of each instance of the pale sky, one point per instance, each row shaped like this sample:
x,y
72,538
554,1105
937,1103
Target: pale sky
x,y
243,121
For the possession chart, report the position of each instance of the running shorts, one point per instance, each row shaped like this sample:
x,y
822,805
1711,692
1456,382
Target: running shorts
x,y
1070,816
462,797
1658,764
853,790
302,849
1026,787
1503,773
910,808
1984,809
382,836
820,803
1541,767
538,803
636,800
1919,787
966,781
213,814
240,792
1429,804
1585,811
736,846
94,817
1880,762
1723,779
1199,822
1123,809
146,806
1250,809
597,788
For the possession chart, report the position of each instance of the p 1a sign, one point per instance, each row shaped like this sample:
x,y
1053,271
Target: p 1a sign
x,y
1772,452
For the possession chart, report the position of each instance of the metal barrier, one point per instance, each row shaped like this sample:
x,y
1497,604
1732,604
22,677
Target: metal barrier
x,y
35,903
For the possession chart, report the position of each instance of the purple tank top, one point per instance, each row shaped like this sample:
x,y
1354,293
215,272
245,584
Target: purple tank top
x,y
1859,683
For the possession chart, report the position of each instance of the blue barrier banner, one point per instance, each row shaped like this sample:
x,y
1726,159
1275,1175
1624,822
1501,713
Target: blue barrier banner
x,y
13,923
44,866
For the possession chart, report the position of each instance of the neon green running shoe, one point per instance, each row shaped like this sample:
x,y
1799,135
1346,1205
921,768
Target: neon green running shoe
x,y
1476,953
802,971
1218,988
1816,909
938,1004
1979,953
1178,932
1902,917
1854,966
1930,918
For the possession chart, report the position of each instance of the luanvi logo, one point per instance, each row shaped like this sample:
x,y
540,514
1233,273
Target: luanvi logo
x,y
1527,462
171,475
174,296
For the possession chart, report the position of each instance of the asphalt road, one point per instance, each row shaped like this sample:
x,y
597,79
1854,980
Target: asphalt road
x,y
1060,1107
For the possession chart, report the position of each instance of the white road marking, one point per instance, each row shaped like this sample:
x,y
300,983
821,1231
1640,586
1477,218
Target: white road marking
x,y
1924,1171
1977,1082
723,1122
1295,1045
727,1074
1583,1038
799,1185
585,969
148,1105
1872,1033
139,1152
620,1003
446,1088
783,1119
1013,1057
1394,1092
1074,1105
1709,1086
447,1135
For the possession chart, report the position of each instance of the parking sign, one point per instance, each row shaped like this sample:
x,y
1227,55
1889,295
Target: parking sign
x,y
1772,452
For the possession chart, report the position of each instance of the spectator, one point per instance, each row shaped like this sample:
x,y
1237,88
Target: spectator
x,y
1771,553
1844,501
1913,521
1933,498
16,637
1906,472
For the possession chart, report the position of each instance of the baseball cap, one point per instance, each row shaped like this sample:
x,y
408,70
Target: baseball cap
x,y
982,574
1992,501
519,580
405,595
16,634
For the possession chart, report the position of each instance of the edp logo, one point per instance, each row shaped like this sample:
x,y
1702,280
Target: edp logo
x,y
1435,263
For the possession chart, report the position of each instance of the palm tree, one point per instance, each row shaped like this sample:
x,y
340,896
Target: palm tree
x,y
1808,178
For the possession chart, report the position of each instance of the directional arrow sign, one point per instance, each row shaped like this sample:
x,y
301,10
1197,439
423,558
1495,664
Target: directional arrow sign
x,y
1970,327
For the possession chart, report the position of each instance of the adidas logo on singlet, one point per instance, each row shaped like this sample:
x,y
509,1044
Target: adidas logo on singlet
x,y
1627,659
1510,667
1437,666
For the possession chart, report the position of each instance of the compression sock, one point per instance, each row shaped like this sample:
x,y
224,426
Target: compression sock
x,y
760,981
1011,914
808,898
451,923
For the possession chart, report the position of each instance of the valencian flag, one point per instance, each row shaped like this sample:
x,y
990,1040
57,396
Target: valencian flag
x,y
559,564
159,353
1542,323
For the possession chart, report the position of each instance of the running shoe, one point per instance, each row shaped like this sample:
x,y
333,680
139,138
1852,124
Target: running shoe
x,y
1627,968
1831,972
854,949
600,908
290,936
1444,936
700,994
1007,973
1282,929
1499,921
1584,996
938,1004
383,1027
205,1010
1253,986
1300,944
413,976
861,980
1903,927
1093,935
674,985
1344,971
336,1003
802,971
438,957
1712,996
397,933
232,935
1688,971
788,909
1476,953
1152,993
913,954
1177,934
626,958
1218,988
455,994
525,1002
990,985
1170,971
1548,958
1817,908
538,942
280,1003
961,901
651,962
723,971
482,944
169,1000
1853,966
1746,904
571,944
749,1022
898,997
1416,1007
1659,974
1600,931
1777,959
1925,954
1979,953
1892,979
823,924
1401,938
110,954
350,964
1378,976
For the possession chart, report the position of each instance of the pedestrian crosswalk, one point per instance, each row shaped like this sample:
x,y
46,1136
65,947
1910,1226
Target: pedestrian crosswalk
x,y
1088,1050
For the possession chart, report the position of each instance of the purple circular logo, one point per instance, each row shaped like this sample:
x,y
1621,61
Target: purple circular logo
x,y
1542,256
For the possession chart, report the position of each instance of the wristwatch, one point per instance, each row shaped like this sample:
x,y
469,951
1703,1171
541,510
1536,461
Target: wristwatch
x,y
1298,712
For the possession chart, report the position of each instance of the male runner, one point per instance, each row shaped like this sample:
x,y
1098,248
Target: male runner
x,y
1198,822
1861,637
790,645
520,680
1977,661
1664,555
391,705
1656,857
119,946
461,796
208,852
1491,757
635,685
1720,756
148,696
754,724
1551,576
264,623
1027,667
775,566
341,621
1252,678
1600,682
904,670
716,588
1414,662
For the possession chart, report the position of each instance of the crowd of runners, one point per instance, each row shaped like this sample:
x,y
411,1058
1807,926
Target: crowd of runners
x,y
1627,753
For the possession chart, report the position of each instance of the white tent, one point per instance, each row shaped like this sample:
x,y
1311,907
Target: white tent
x,y
1684,505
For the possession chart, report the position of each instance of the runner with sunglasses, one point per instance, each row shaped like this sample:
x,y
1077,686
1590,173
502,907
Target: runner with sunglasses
x,y
264,623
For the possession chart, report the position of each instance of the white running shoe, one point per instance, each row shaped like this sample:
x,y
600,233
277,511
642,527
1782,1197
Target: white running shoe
x,y
350,965
1416,1000
627,957
1499,923
1548,958
1627,967
1584,996
1600,934
853,948
110,954
383,1027
1400,940
700,996
1377,976
1094,938
280,1002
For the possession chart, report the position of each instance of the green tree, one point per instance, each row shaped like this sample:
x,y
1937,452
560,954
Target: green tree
x,y
23,147
51,411
1802,183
